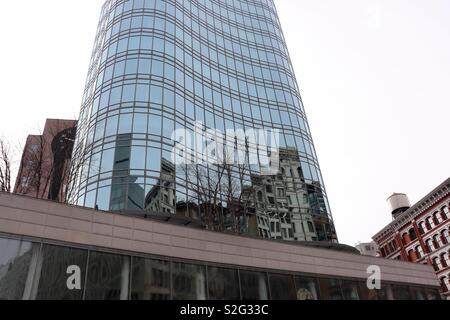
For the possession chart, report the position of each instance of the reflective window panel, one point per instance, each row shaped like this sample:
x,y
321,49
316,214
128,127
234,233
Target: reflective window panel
x,y
282,287
307,288
58,264
150,279
189,281
254,285
330,289
15,259
108,277
223,284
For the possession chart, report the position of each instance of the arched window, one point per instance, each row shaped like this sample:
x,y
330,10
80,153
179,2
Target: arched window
x,y
436,264
444,260
444,284
437,218
429,223
419,252
430,246
412,255
405,238
422,227
437,241
444,237
446,234
412,234
445,213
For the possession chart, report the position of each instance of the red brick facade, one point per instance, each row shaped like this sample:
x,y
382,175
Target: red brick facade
x,y
44,170
422,235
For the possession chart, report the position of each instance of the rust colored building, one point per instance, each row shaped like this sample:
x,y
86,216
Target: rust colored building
x,y
44,168
420,233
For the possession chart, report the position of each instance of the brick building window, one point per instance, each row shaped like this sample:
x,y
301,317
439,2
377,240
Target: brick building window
x,y
444,237
437,218
444,260
405,238
419,252
412,234
429,223
436,264
422,227
444,213
412,255
430,246
437,241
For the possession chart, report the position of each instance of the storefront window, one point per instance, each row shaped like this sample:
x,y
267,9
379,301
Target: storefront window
x,y
306,288
223,284
108,276
189,281
401,292
150,279
53,282
330,289
15,259
282,287
254,285
350,290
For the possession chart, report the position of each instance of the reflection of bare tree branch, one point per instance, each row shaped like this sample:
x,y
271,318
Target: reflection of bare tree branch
x,y
224,197
43,170
5,166
77,170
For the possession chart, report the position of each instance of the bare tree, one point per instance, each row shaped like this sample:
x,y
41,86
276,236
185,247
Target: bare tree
x,y
225,199
5,166
43,169
81,165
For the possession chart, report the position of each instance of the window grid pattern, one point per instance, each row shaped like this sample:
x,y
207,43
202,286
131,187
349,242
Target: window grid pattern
x,y
161,65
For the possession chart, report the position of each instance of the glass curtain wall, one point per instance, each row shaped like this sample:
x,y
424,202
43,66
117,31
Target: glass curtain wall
x,y
163,65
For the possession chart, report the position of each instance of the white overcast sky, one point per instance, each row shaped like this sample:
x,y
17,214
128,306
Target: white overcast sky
x,y
374,76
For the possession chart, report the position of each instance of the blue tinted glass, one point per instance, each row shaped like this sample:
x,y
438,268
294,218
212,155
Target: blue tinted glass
x,y
125,123
140,123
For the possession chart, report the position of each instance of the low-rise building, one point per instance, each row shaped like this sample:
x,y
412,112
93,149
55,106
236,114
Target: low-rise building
x,y
420,233
45,165
112,256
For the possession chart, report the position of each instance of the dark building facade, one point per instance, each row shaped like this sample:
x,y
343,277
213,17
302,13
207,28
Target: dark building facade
x,y
160,66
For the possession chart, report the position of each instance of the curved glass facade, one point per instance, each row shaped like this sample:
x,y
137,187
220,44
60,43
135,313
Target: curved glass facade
x,y
159,66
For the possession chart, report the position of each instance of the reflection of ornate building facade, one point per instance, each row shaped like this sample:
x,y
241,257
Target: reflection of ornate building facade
x,y
287,207
421,233
161,65
161,197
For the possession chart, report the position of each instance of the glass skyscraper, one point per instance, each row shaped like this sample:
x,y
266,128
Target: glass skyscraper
x,y
158,66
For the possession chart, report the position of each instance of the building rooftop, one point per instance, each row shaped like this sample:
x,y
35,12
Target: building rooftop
x,y
425,203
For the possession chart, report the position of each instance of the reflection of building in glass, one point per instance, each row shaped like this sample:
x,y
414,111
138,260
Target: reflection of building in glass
x,y
161,197
161,65
151,280
289,208
45,165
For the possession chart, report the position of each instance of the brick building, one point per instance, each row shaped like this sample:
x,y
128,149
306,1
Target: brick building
x,y
44,168
420,233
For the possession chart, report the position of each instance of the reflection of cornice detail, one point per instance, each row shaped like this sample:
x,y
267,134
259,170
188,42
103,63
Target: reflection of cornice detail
x,y
424,204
